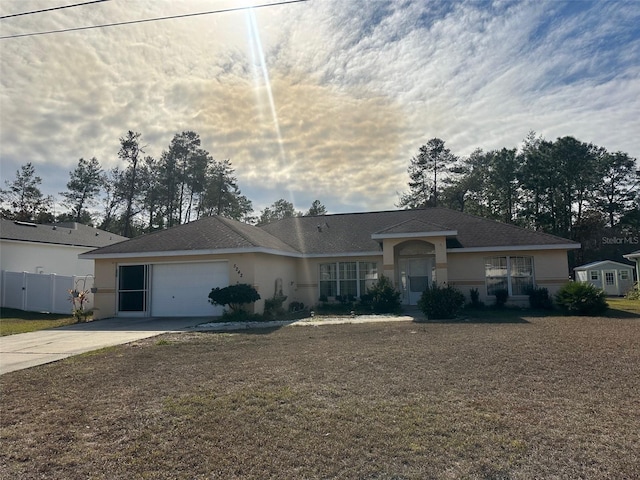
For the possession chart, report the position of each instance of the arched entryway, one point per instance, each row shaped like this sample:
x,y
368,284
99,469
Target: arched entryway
x,y
416,261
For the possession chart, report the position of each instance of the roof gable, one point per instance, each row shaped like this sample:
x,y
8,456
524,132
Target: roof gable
x,y
413,225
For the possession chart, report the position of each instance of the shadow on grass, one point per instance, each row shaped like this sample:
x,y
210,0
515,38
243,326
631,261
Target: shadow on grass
x,y
616,313
254,330
488,315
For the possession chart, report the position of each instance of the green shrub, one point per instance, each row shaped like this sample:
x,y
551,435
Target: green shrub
x,y
578,298
438,302
242,316
296,306
273,306
539,298
502,295
383,296
234,295
475,298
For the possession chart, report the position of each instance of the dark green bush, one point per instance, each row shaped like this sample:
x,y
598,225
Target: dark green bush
x,y
474,293
502,294
578,298
539,298
296,306
241,316
234,295
273,306
441,301
383,296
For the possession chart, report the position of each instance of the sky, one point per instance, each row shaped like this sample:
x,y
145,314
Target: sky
x,y
318,99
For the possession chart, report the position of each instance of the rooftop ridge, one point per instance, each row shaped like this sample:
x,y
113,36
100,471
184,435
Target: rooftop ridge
x,y
226,221
414,219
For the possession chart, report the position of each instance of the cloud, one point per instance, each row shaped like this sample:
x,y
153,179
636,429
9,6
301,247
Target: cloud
x,y
356,87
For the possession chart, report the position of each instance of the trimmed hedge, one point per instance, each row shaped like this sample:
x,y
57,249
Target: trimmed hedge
x,y
441,302
234,295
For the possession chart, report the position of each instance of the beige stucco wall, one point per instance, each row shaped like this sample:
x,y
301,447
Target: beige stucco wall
x,y
300,276
467,271
267,270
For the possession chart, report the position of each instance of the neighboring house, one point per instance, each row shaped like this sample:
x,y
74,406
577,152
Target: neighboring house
x,y
613,277
39,263
635,257
35,248
171,272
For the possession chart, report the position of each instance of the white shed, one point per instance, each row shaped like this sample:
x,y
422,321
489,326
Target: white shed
x,y
613,277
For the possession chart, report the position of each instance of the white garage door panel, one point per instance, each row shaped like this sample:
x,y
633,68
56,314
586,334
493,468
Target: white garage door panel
x,y
182,289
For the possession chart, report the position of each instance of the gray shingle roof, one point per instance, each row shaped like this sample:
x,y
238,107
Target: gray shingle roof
x,y
352,232
333,234
64,233
601,263
208,233
413,225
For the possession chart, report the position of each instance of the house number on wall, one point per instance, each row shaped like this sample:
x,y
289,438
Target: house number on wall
x,y
237,269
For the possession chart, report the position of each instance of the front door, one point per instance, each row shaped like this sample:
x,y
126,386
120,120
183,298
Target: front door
x,y
415,277
610,282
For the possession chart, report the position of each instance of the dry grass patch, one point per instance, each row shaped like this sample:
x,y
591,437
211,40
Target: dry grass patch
x,y
552,398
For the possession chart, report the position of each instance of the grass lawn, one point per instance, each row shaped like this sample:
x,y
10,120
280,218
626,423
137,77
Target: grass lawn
x,y
18,321
537,397
618,305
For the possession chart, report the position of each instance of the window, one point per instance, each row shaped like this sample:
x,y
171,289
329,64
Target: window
x,y
347,278
368,275
609,278
595,275
515,274
328,280
496,274
348,274
624,274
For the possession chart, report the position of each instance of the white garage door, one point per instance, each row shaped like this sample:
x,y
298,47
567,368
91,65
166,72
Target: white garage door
x,y
182,289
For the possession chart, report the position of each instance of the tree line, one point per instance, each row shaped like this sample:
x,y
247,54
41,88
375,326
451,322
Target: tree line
x,y
143,193
566,187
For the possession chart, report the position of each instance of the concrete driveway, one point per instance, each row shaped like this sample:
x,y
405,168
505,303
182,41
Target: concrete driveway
x,y
37,348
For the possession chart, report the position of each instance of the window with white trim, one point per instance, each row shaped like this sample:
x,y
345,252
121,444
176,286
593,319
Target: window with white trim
x,y
347,278
610,278
515,274
624,274
595,275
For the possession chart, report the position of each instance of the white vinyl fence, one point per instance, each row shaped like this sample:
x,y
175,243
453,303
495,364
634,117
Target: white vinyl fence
x,y
34,292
